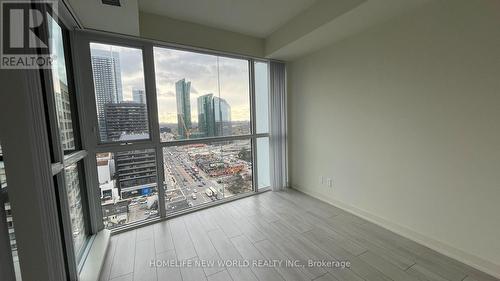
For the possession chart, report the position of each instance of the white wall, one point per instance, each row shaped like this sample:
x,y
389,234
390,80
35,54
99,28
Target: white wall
x,y
406,118
186,33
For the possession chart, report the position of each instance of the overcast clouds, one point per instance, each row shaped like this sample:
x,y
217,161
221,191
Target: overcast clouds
x,y
174,65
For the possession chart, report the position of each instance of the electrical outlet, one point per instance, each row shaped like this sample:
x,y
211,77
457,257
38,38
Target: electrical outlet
x,y
329,182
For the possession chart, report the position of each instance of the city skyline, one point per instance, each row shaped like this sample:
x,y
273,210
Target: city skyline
x,y
174,65
214,113
183,101
214,116
139,95
108,87
131,67
205,77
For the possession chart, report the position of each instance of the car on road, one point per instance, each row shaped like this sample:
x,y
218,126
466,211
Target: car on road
x,y
195,190
214,191
193,196
208,192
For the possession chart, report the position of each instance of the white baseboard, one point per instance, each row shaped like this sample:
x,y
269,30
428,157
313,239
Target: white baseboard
x,y
440,247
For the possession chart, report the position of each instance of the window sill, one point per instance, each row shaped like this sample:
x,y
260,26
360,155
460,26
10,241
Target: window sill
x,y
95,259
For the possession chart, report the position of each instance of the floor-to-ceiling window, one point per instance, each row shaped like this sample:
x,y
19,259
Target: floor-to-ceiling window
x,y
127,179
261,82
67,153
44,213
171,129
200,97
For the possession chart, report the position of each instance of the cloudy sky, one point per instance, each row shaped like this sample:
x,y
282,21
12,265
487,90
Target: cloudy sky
x,y
201,69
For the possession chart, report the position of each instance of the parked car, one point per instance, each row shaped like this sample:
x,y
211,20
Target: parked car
x,y
208,191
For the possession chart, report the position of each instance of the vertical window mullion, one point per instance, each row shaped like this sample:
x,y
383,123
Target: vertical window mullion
x,y
54,132
150,88
253,124
151,96
75,112
86,113
161,180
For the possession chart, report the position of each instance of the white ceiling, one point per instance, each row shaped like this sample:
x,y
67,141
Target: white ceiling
x,y
251,17
361,17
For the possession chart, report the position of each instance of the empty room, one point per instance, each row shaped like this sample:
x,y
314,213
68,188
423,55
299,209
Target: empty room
x,y
250,140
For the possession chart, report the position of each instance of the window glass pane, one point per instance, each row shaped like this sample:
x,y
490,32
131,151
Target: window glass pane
x,y
120,94
12,237
196,174
201,95
263,173
261,97
60,84
3,178
128,186
72,181
234,98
